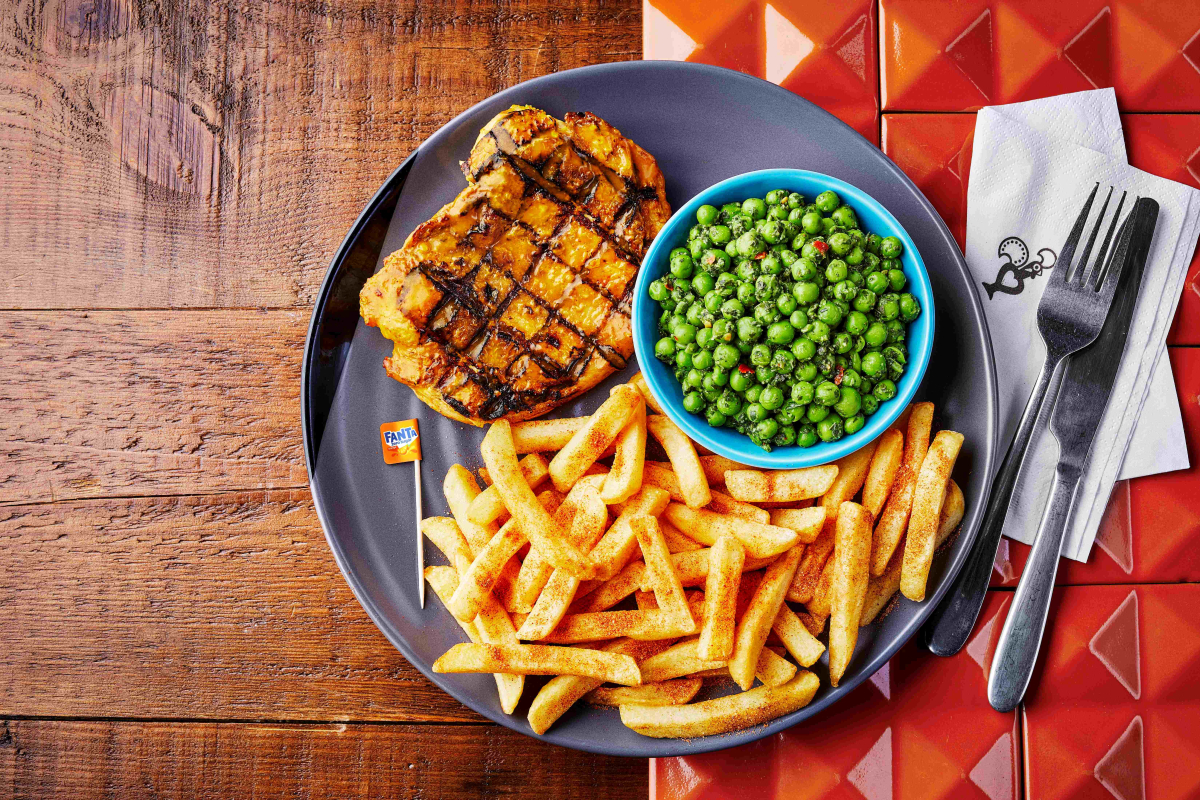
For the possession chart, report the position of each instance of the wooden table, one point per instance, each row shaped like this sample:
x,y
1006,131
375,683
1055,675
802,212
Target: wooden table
x,y
174,178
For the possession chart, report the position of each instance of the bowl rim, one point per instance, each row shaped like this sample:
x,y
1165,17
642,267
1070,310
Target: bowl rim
x,y
791,457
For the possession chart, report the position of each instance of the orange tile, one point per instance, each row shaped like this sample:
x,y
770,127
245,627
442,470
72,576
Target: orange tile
x,y
1113,709
935,151
825,52
921,728
959,56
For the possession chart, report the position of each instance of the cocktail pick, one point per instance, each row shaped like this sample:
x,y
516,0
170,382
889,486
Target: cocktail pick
x,y
402,442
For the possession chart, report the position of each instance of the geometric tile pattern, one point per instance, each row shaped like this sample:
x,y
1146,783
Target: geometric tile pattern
x,y
935,151
824,52
889,739
1114,708
963,55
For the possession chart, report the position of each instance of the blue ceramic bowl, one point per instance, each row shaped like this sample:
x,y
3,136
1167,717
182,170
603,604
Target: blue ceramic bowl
x,y
873,218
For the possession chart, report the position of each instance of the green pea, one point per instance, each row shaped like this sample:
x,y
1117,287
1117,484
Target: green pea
x,y
727,357
888,307
816,412
896,280
754,392
864,300
786,436
766,287
720,235
739,381
722,330
766,428
818,331
896,332
731,248
714,262
786,303
796,216
811,223
884,390
743,347
828,225
715,418
877,282
749,244
685,333
702,360
772,231
764,374
910,307
795,200
778,213
872,243
806,292
770,265
831,428
842,342
704,338
694,376
876,334
836,271
804,348
732,309
852,379
890,247
664,349
829,313
799,242
856,323
827,393
855,257
754,208
720,377
873,364
782,361
749,329
706,214
780,333
696,247
729,403
869,404
765,313
693,314
806,436
827,201
849,403
854,424
802,392
845,291
845,217
798,318
745,292
760,355
693,402
840,243
755,411
771,398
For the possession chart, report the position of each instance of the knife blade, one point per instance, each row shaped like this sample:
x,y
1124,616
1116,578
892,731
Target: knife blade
x,y
1091,373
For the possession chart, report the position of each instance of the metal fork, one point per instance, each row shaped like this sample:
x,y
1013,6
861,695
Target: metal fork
x,y
1070,315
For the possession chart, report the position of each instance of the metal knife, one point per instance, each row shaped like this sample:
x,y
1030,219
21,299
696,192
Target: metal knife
x,y
1086,387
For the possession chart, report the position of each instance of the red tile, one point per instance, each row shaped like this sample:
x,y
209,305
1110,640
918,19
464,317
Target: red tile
x,y
960,56
921,728
935,151
825,52
1151,530
1113,709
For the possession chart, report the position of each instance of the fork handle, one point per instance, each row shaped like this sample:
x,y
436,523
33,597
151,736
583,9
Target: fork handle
x,y
1021,638
951,623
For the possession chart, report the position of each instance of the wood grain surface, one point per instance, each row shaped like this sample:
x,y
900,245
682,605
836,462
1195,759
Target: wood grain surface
x,y
314,762
174,177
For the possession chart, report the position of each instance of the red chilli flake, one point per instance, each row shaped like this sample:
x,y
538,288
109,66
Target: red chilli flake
x,y
837,378
761,256
745,370
820,247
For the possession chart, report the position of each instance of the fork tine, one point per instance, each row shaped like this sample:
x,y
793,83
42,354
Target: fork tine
x,y
1100,264
1080,268
1108,282
1063,265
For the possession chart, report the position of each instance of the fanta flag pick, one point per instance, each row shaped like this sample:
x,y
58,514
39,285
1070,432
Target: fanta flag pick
x,y
402,442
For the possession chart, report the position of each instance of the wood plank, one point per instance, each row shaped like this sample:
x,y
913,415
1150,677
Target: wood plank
x,y
215,607
142,403
215,153
49,759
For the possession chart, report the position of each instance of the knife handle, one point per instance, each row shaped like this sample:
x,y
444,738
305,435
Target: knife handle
x,y
951,623
1021,637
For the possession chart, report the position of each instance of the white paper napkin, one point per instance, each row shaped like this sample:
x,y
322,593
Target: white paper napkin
x,y
1033,166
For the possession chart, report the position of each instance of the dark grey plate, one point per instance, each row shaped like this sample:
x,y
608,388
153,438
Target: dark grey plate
x,y
703,124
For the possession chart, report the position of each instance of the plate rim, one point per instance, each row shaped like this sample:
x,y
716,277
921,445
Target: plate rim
x,y
652,748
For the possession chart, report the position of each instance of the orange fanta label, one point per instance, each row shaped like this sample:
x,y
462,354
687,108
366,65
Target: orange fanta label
x,y
401,441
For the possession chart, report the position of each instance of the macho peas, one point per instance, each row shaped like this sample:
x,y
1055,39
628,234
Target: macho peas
x,y
783,319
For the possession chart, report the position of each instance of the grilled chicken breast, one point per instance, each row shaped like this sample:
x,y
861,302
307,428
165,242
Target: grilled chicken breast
x,y
515,296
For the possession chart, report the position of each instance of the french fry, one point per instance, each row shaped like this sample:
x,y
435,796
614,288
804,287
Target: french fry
x,y
639,381
851,572
725,561
677,541
618,545
679,660
590,441
822,599
626,475
883,588
661,571
612,591
760,541
545,435
816,626
644,624
882,473
894,519
646,601
496,628
803,646
755,623
852,472
545,535
684,461
461,489
477,582
444,581
722,714
668,693
772,668
715,468
692,566
780,486
562,691
806,522
488,506
446,535
536,659
724,504
928,493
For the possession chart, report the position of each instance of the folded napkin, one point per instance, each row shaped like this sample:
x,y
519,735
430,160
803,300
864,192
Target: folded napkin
x,y
1033,166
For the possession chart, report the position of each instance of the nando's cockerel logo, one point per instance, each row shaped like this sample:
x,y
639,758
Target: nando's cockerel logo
x,y
1016,268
